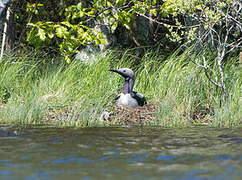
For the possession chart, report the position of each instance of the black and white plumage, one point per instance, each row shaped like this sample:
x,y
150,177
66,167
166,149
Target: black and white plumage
x,y
129,97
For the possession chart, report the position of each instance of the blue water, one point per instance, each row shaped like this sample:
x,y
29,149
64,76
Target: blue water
x,y
120,153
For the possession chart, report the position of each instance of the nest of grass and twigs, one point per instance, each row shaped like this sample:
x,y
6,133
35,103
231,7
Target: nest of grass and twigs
x,y
122,115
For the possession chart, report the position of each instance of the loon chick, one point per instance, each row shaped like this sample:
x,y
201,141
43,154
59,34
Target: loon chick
x,y
129,97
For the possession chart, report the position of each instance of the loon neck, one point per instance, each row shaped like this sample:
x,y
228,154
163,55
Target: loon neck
x,y
126,87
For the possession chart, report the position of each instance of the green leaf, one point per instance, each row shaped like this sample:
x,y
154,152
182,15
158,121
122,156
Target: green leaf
x,y
154,11
109,4
127,26
81,13
80,31
40,5
61,32
67,58
79,6
66,23
31,24
41,34
120,2
103,41
51,35
116,15
114,26
31,34
107,12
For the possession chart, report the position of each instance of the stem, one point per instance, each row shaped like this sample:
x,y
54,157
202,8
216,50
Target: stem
x,y
5,32
221,71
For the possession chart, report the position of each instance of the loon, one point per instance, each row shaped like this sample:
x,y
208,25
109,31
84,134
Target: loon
x,y
129,97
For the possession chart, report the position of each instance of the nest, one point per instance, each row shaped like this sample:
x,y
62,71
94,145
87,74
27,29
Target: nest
x,y
130,116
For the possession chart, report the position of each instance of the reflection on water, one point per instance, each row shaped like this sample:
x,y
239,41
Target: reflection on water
x,y
120,153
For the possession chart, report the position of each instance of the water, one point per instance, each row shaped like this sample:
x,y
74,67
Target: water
x,y
120,153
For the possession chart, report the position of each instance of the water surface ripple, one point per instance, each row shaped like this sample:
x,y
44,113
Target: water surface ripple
x,y
120,153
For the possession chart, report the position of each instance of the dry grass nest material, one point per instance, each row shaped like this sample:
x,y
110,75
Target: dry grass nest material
x,y
119,115
130,116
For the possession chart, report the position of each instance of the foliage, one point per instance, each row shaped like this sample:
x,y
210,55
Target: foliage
x,y
68,34
26,11
215,26
81,21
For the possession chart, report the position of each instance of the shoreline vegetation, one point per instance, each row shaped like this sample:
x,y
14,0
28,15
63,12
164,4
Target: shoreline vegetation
x,y
77,94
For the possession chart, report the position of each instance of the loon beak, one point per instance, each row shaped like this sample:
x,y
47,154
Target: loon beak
x,y
117,71
113,70
121,72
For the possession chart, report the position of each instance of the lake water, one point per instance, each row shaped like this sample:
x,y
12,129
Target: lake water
x,y
120,153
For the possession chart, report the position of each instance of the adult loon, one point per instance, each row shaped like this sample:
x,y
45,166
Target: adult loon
x,y
129,97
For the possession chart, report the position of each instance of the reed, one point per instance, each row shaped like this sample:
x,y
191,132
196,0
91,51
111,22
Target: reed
x,y
36,91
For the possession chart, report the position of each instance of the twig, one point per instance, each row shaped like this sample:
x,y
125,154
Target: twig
x,y
153,20
5,32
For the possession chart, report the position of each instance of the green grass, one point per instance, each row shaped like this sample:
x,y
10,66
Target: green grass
x,y
77,93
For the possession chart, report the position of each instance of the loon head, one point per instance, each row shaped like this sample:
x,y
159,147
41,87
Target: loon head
x,y
129,77
125,72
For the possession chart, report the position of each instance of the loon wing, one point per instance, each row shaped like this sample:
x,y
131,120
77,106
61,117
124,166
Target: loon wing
x,y
140,98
